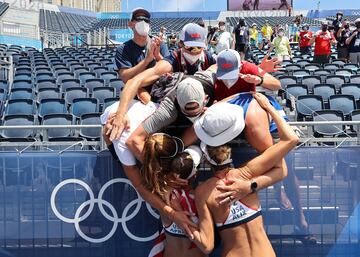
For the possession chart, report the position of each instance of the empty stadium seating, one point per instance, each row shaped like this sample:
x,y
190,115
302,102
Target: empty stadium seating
x,y
260,21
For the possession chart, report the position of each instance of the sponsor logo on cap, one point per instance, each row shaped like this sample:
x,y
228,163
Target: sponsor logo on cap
x,y
226,66
195,35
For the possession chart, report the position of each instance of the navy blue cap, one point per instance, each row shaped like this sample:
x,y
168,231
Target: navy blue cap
x,y
228,64
193,35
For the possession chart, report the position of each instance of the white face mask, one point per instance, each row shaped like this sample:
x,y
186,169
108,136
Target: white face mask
x,y
222,28
193,119
191,59
229,82
142,28
281,34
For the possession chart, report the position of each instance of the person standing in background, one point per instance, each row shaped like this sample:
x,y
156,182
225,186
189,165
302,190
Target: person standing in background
x,y
341,36
354,44
241,39
266,30
282,46
223,38
304,40
323,40
254,35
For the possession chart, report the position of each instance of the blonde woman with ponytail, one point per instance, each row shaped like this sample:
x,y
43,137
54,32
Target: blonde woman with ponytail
x,y
239,222
164,163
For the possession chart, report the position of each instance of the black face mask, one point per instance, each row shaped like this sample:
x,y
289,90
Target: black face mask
x,y
324,28
242,23
357,25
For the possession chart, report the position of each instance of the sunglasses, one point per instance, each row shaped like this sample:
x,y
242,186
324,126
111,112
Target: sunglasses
x,y
193,49
179,145
142,18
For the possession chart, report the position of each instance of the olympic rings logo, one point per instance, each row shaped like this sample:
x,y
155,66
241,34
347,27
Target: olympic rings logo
x,y
125,216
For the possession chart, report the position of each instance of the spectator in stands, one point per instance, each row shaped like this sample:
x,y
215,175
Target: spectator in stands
x,y
304,40
343,34
241,39
162,34
354,44
338,22
172,40
254,35
223,39
264,44
323,40
282,46
283,4
267,31
246,5
212,39
140,52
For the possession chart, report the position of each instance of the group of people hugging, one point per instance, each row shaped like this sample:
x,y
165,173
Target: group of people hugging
x,y
206,106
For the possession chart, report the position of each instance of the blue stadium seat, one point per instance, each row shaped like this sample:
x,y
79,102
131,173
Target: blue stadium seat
x,y
355,79
48,93
51,106
340,63
325,91
102,93
287,80
75,66
23,70
109,101
3,95
90,119
85,76
351,66
119,85
301,73
99,70
310,81
69,83
292,67
351,89
336,80
22,76
344,103
18,120
92,83
80,70
292,92
355,116
107,76
307,104
43,76
4,85
63,76
46,84
344,72
58,119
328,130
322,73
75,92
331,67
21,93
82,106
22,84
20,106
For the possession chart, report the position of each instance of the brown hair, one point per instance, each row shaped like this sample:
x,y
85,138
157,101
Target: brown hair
x,y
182,165
157,150
219,154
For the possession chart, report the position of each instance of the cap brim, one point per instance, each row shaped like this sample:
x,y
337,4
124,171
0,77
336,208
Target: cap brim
x,y
141,11
224,137
195,43
227,75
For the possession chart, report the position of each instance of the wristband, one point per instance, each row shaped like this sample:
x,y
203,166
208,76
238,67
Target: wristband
x,y
261,82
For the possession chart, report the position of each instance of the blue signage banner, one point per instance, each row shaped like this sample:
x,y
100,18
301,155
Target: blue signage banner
x,y
121,35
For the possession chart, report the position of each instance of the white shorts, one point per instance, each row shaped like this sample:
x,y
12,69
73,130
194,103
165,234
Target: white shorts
x,y
137,113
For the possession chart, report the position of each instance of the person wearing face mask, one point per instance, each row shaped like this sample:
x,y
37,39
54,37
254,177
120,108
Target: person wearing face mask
x,y
253,35
140,52
338,22
224,38
241,39
304,40
343,34
281,44
354,44
323,40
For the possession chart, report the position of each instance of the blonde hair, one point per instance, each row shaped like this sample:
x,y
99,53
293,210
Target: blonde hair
x,y
219,154
157,153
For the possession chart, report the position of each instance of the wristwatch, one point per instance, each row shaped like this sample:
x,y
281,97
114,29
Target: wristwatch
x,y
253,186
